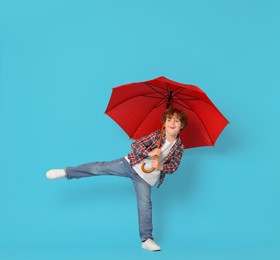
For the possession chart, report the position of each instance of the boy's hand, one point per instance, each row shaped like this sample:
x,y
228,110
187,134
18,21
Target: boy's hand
x,y
155,152
157,165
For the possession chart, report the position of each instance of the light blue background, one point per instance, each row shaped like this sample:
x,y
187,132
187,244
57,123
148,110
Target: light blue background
x,y
58,62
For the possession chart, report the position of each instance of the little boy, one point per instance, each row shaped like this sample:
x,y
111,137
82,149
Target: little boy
x,y
143,150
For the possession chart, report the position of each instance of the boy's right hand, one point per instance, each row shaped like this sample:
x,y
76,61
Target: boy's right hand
x,y
155,152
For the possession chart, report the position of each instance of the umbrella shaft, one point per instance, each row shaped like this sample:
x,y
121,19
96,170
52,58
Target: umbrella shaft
x,y
160,137
170,96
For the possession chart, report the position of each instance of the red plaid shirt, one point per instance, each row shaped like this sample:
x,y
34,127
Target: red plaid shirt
x,y
141,148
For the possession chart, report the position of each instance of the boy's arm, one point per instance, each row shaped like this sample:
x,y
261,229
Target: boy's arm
x,y
174,162
141,145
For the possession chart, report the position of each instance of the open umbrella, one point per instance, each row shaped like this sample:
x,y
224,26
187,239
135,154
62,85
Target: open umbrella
x,y
137,108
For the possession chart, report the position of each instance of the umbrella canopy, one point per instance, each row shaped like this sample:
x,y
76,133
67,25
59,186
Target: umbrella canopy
x,y
137,108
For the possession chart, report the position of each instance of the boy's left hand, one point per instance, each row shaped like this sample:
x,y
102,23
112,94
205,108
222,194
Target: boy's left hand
x,y
157,165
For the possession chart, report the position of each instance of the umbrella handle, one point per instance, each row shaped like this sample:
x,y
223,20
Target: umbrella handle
x,y
150,170
146,171
156,157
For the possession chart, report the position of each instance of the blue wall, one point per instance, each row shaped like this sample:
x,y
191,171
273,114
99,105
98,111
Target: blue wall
x,y
58,63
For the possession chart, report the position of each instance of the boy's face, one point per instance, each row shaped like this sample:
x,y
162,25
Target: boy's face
x,y
173,125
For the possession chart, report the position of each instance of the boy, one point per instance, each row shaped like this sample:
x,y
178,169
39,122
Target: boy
x,y
143,150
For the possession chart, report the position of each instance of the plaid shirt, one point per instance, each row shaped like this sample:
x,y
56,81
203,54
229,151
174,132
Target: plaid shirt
x,y
141,148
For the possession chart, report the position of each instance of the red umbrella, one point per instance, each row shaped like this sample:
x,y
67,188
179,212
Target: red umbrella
x,y
137,108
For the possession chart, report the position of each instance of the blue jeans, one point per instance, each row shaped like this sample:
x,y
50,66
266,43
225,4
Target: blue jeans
x,y
121,167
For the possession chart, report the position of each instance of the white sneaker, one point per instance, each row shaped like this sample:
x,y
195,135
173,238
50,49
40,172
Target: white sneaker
x,y
151,245
56,174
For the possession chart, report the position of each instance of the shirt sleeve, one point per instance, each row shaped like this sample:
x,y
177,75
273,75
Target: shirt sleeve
x,y
142,145
174,162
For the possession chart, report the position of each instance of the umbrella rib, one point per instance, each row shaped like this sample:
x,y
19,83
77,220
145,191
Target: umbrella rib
x,y
162,101
179,90
154,88
151,96
191,98
155,106
143,95
183,105
196,98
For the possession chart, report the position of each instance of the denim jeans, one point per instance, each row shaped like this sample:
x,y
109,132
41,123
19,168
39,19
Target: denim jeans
x,y
121,167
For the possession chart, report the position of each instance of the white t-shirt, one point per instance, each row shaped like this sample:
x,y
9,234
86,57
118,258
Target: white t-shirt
x,y
152,178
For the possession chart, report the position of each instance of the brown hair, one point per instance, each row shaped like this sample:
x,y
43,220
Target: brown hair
x,y
168,113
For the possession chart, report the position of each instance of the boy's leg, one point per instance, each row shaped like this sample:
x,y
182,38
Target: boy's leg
x,y
144,204
119,167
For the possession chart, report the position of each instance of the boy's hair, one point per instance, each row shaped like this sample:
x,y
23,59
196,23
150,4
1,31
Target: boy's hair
x,y
168,113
